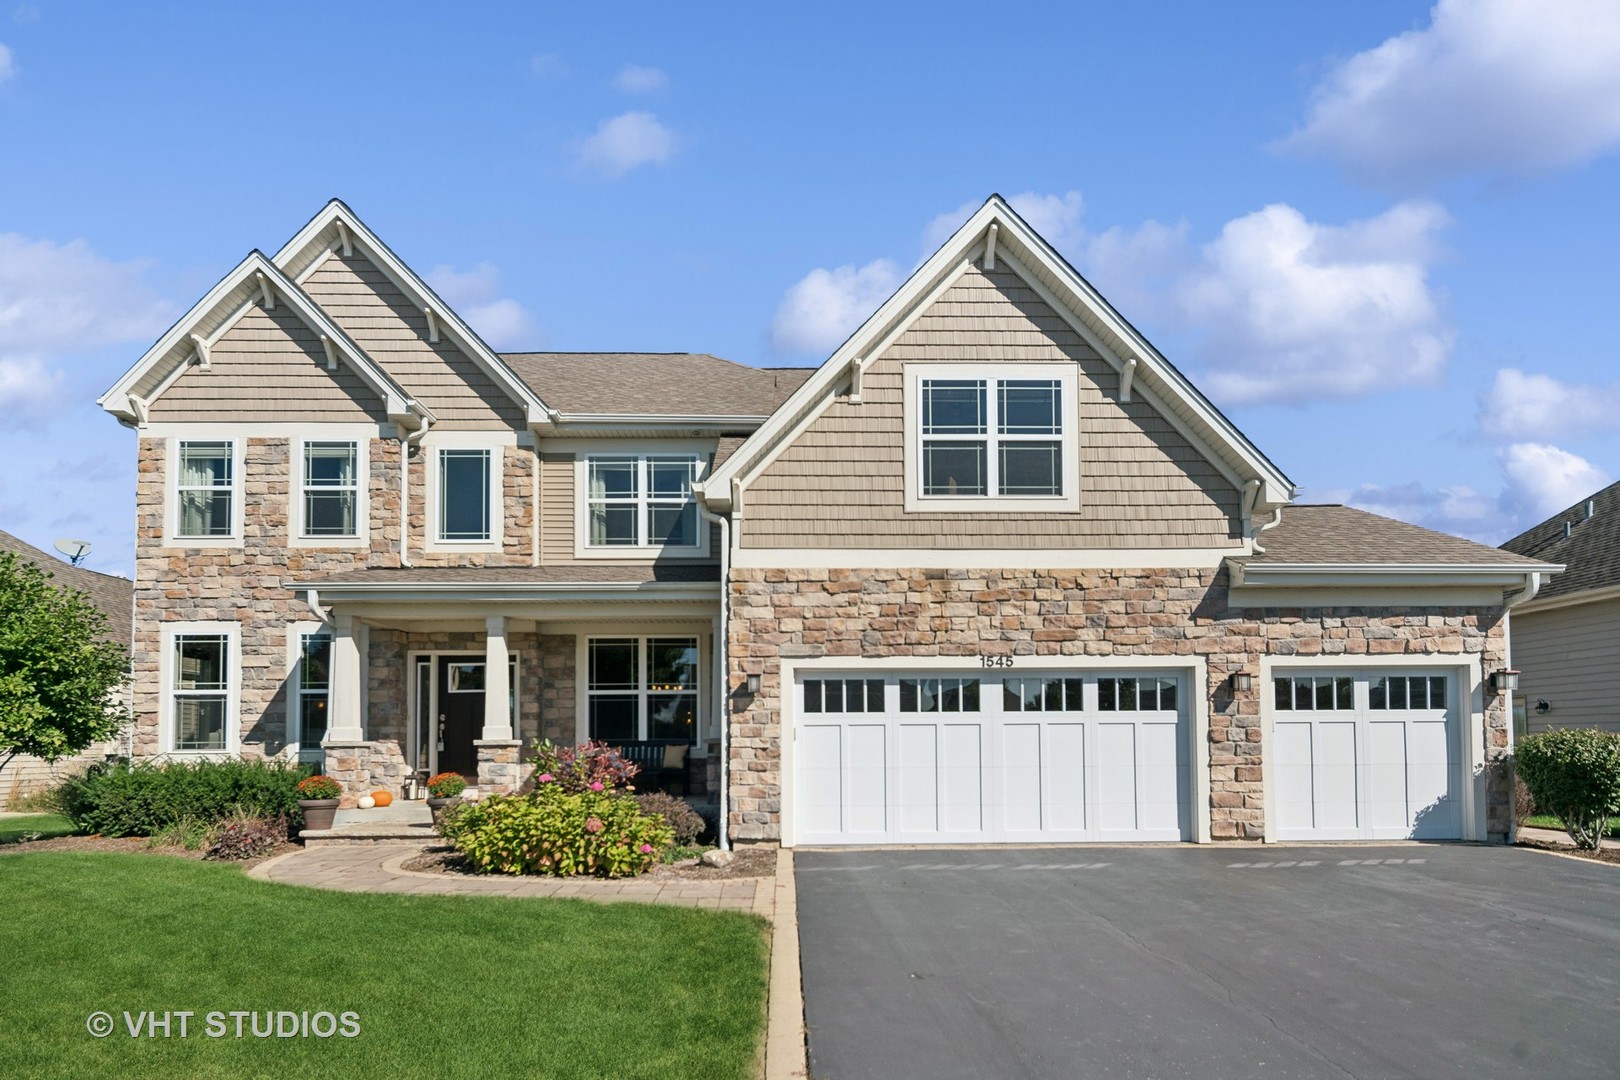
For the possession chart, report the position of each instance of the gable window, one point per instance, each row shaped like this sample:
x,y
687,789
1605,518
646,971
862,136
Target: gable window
x,y
991,437
205,490
642,688
465,477
200,690
314,692
331,486
641,501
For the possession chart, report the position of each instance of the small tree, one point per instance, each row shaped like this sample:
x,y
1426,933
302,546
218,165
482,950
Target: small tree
x,y
57,671
1575,774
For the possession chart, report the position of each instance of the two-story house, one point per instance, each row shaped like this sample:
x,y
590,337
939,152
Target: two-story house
x,y
994,572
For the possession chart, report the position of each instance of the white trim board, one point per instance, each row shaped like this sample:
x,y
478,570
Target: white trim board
x,y
982,558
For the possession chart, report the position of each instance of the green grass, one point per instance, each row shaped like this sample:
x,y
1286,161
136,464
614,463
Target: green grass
x,y
1549,821
444,986
14,829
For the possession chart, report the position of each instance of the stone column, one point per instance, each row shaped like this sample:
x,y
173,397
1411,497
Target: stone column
x,y
497,684
347,724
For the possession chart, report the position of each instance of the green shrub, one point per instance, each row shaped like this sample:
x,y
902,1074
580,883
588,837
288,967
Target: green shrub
x,y
145,799
554,832
686,823
1575,774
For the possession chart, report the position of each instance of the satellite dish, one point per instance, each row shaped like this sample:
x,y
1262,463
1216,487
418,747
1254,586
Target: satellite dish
x,y
75,550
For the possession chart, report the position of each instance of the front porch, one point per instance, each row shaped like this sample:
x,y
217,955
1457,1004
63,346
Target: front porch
x,y
460,675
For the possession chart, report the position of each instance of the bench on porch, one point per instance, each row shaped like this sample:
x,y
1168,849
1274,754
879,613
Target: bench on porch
x,y
654,757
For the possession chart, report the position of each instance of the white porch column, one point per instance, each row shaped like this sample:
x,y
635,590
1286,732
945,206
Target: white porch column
x,y
347,723
497,684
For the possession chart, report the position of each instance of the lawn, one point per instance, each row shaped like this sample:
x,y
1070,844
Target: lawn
x,y
13,829
444,986
1548,821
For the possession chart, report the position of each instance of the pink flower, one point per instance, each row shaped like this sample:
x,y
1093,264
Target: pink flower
x,y
646,849
597,785
546,778
593,824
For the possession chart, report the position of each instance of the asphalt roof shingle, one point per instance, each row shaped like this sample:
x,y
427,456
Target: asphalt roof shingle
x,y
1314,533
114,595
668,384
1591,552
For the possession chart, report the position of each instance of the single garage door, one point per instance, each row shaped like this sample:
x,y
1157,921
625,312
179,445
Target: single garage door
x,y
1366,756
990,758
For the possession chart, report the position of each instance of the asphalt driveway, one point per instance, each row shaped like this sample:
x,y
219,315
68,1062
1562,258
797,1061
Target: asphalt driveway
x,y
1209,962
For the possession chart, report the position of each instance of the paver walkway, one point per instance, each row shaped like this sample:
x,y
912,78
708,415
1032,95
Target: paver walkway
x,y
379,867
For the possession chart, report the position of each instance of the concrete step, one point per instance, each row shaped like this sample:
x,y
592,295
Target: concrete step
x,y
370,833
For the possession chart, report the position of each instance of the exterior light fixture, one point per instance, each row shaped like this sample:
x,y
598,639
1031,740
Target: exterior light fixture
x,y
751,684
1241,681
1542,708
1504,681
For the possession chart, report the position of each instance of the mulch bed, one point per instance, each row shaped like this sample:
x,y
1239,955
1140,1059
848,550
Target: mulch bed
x,y
128,845
1607,854
749,863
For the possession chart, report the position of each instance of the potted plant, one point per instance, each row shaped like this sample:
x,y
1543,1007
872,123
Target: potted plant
x,y
444,789
318,799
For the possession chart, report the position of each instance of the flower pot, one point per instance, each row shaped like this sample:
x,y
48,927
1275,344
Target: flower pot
x,y
436,806
318,813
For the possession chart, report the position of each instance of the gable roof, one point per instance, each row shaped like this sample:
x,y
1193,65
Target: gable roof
x,y
114,595
997,227
1591,551
621,385
337,226
247,284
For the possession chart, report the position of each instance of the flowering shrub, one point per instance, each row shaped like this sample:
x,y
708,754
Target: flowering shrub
x,y
686,823
446,785
319,787
552,831
590,766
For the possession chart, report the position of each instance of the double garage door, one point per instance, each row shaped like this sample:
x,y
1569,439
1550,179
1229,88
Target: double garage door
x,y
991,758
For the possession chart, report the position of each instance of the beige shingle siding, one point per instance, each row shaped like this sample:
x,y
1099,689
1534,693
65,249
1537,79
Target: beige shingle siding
x,y
842,482
371,309
270,366
1567,656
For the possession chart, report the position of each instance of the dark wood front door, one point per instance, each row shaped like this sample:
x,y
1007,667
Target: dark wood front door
x,y
461,713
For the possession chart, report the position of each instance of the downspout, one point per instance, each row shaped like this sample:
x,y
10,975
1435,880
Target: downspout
x,y
722,652
407,439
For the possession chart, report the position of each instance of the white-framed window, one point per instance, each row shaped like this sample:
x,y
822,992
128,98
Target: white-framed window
x,y
205,492
991,437
200,669
642,502
312,693
467,486
329,506
643,688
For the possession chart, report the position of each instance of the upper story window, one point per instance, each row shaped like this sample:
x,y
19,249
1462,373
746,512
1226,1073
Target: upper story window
x,y
206,490
992,437
641,501
331,490
466,495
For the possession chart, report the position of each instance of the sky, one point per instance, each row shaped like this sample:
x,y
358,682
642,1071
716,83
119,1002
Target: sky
x,y
1380,235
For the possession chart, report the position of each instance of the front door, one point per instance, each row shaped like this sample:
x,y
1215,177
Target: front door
x,y
461,713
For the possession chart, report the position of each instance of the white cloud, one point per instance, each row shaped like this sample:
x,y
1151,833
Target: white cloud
x,y
28,388
476,296
626,142
1504,86
826,306
1543,479
1056,217
8,67
1457,508
1519,403
635,79
1291,310
547,65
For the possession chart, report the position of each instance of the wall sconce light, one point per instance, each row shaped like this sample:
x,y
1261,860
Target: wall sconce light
x,y
1542,708
751,684
1504,681
1241,681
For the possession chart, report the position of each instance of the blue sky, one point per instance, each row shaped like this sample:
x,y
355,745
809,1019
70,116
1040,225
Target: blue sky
x,y
1381,235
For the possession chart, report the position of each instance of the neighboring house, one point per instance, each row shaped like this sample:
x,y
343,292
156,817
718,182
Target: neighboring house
x,y
114,596
1566,640
996,571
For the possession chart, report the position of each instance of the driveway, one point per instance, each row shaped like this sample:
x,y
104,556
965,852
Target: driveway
x,y
1209,962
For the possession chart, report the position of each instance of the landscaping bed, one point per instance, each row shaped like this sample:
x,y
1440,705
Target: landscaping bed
x,y
1607,854
441,985
130,845
749,863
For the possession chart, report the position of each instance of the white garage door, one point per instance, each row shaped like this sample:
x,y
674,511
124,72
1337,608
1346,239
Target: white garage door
x,y
1366,756
916,759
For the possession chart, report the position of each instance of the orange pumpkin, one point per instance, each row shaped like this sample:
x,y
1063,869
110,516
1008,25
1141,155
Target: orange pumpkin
x,y
383,796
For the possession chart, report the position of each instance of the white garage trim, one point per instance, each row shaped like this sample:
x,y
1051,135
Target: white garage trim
x,y
1193,668
1468,671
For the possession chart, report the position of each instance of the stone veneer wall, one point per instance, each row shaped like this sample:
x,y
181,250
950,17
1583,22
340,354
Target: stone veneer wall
x,y
1095,613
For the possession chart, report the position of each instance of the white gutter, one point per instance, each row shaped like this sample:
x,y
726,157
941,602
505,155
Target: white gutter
x,y
1296,574
722,648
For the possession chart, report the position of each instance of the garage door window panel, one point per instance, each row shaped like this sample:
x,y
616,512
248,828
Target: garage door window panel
x,y
939,695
